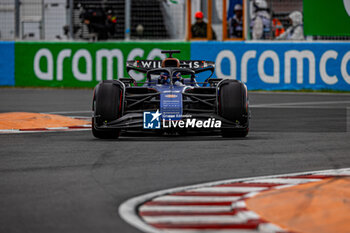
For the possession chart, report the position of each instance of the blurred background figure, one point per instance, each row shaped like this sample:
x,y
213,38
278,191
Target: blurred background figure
x,y
95,19
260,20
295,31
111,23
102,25
139,30
277,27
199,28
236,23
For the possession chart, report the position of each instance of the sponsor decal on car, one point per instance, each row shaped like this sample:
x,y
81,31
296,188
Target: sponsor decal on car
x,y
171,96
152,120
152,64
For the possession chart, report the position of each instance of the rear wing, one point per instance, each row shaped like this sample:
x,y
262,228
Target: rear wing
x,y
145,65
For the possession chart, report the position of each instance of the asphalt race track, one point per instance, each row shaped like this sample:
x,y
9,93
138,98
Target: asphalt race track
x,y
72,182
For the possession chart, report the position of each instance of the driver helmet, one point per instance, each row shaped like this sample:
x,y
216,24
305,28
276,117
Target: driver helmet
x,y
177,76
164,78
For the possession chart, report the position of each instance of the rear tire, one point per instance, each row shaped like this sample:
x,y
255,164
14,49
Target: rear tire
x,y
233,106
106,107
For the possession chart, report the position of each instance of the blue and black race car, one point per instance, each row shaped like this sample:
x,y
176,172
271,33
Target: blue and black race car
x,y
171,101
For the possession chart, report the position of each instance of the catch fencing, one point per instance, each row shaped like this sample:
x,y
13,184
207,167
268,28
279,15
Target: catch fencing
x,y
101,20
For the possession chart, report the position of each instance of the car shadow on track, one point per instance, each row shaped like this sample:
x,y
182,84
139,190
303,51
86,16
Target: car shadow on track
x,y
188,137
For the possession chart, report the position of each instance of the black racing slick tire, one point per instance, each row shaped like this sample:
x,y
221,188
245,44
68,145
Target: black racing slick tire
x,y
106,107
233,106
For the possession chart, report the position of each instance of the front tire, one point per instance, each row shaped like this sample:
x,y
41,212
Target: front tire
x,y
106,107
233,106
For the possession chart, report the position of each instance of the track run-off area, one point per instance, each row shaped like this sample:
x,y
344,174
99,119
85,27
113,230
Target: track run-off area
x,y
54,181
300,202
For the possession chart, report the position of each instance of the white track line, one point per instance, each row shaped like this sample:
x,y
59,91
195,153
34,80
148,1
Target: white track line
x,y
81,117
66,112
195,199
297,107
128,211
228,189
302,103
297,93
241,217
4,131
263,227
49,130
238,205
269,227
340,173
211,231
185,208
283,181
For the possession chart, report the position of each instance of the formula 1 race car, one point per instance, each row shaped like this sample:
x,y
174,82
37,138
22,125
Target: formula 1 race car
x,y
170,101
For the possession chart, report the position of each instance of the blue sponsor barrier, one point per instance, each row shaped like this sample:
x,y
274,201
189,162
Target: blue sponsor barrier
x,y
7,63
279,65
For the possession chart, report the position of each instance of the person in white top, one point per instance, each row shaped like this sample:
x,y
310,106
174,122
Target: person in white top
x,y
296,30
260,20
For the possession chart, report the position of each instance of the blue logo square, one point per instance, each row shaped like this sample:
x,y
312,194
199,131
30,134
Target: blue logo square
x,y
151,120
